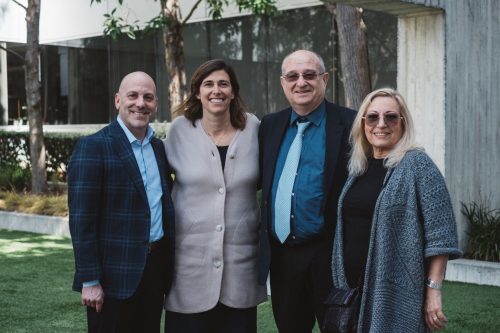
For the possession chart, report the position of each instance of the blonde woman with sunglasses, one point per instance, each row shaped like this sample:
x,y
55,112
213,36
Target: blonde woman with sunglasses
x,y
396,230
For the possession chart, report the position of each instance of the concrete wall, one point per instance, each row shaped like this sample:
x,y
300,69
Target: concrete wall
x,y
472,101
421,70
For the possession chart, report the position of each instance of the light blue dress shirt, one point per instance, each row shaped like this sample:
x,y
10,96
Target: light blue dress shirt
x,y
146,160
307,218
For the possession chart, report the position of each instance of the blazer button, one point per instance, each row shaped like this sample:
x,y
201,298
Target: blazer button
x,y
221,190
218,227
217,263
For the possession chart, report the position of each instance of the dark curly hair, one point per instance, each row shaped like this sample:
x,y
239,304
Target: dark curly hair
x,y
192,108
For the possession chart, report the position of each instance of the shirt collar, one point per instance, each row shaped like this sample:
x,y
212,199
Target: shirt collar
x,y
131,138
315,117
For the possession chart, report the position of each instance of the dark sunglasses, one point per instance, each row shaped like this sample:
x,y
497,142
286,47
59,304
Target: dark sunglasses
x,y
390,119
308,76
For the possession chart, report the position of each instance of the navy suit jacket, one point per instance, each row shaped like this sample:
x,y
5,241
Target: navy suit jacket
x,y
109,215
271,133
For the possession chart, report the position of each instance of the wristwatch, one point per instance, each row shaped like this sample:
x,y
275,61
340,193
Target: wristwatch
x,y
433,284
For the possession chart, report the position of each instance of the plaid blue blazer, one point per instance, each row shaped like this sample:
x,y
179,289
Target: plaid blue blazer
x,y
109,215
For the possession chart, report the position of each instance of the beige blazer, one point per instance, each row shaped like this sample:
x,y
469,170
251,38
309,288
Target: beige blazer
x,y
216,217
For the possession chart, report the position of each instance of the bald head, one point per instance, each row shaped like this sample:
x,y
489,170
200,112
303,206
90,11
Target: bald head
x,y
304,54
135,77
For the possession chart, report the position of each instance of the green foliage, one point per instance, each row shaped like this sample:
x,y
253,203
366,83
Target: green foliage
x,y
258,7
484,231
156,23
216,8
14,177
15,150
115,26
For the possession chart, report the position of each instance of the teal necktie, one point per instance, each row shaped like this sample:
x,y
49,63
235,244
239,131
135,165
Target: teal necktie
x,y
283,201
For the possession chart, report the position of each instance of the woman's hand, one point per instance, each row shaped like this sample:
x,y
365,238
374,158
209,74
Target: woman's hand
x,y
434,316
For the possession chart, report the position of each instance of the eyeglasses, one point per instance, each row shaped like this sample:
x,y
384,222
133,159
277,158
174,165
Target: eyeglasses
x,y
390,119
308,76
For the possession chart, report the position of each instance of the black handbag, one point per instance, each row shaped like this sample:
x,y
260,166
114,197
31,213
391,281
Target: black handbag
x,y
342,311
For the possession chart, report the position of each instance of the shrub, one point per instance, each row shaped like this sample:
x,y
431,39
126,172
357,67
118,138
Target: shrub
x,y
484,231
15,149
14,177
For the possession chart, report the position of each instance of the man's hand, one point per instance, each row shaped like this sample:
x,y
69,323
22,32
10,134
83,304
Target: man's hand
x,y
93,296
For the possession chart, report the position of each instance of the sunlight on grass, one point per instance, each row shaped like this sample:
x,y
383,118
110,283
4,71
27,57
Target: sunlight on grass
x,y
35,246
36,272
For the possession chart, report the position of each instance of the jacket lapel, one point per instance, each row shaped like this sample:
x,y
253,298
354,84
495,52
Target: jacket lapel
x,y
124,151
276,133
333,140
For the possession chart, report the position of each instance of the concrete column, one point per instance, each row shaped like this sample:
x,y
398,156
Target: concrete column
x,y
4,96
421,68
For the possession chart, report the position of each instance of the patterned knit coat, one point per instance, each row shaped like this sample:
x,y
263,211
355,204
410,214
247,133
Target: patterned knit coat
x,y
413,220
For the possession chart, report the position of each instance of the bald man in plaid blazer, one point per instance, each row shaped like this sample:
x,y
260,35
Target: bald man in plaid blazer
x,y
121,216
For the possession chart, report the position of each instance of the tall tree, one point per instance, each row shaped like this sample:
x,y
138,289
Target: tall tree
x,y
33,98
172,22
353,50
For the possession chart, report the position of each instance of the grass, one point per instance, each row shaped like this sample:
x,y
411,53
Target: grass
x,y
54,205
36,273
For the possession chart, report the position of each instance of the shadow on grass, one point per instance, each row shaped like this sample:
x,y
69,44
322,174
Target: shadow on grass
x,y
36,273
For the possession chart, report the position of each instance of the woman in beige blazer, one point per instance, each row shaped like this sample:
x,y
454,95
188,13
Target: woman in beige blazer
x,y
213,150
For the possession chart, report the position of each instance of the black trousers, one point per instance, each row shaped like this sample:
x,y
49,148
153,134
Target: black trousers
x,y
141,312
220,319
300,282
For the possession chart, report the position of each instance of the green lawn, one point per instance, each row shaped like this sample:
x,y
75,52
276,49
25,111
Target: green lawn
x,y
36,272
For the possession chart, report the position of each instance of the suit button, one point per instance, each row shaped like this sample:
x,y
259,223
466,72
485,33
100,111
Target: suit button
x,y
217,263
218,227
221,190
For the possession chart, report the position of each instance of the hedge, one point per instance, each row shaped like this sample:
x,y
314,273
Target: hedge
x,y
14,149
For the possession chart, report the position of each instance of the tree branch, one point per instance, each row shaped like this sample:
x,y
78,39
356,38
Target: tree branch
x,y
20,4
12,52
191,12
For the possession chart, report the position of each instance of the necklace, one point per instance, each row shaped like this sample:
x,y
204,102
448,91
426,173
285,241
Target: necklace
x,y
217,140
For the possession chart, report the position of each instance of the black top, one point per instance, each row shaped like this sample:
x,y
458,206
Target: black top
x,y
359,205
223,153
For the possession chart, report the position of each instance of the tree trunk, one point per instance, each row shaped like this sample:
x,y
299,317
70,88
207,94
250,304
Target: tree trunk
x,y
33,99
174,55
353,49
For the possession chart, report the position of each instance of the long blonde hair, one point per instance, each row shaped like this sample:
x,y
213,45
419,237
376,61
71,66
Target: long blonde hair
x,y
362,149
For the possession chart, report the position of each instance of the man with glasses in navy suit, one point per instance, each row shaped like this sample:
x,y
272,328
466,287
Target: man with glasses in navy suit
x,y
121,216
303,156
